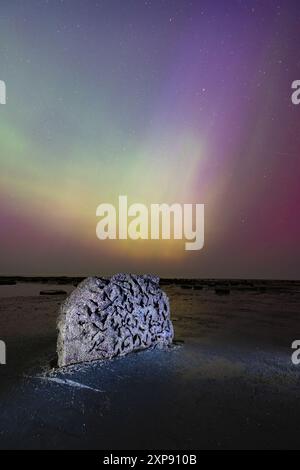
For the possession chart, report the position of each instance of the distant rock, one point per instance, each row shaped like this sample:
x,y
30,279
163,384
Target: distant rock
x,y
222,290
7,282
53,292
104,318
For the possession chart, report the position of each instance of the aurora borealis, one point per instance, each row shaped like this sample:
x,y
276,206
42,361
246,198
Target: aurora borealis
x,y
163,101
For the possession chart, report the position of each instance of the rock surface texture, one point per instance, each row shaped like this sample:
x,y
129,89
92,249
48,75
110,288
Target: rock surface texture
x,y
104,318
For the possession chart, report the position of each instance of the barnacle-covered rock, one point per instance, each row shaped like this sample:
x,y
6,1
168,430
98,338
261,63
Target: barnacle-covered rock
x,y
104,318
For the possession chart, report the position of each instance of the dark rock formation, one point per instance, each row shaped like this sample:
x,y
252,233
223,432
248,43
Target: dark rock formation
x,y
222,290
103,318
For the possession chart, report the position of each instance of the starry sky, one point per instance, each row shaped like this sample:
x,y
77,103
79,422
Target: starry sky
x,y
161,100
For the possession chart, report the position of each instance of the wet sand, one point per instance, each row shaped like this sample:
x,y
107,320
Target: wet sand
x,y
228,382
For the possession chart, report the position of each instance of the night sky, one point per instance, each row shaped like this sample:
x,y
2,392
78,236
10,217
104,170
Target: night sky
x,y
163,101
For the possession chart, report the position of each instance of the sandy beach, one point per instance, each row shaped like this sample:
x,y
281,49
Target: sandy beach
x,y
227,383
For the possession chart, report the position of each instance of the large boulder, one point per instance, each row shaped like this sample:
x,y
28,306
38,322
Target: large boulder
x,y
103,318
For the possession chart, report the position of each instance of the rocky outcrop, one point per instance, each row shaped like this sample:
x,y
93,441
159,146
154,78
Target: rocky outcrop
x,y
104,318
